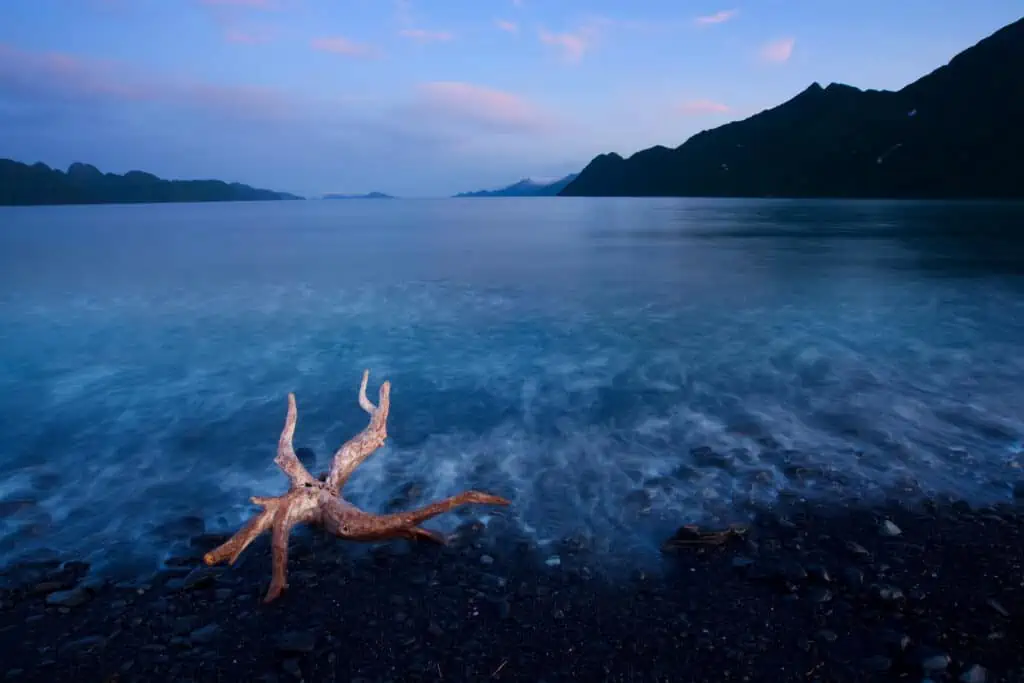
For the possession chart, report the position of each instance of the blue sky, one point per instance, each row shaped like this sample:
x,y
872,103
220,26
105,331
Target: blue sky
x,y
431,97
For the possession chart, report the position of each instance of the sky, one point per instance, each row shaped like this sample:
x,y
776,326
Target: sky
x,y
431,97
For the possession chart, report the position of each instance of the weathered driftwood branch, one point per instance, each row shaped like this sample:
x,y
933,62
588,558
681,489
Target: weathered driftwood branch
x,y
319,503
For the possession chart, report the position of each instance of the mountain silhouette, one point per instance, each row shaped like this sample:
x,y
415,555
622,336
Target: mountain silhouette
x,y
22,184
369,195
525,188
954,133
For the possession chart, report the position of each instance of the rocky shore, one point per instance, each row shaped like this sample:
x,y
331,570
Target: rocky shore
x,y
933,591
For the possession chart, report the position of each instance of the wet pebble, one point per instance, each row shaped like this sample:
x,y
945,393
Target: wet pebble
x,y
295,642
888,528
975,674
69,598
205,634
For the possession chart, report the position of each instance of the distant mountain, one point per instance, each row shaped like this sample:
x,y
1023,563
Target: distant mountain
x,y
369,195
21,184
525,188
955,133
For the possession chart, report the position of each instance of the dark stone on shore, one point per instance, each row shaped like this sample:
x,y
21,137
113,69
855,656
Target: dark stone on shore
x,y
789,602
69,598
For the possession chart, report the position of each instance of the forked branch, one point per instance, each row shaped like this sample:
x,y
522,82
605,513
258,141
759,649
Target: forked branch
x,y
362,445
310,501
286,458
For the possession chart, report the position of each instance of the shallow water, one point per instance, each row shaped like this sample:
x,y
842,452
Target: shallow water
x,y
616,367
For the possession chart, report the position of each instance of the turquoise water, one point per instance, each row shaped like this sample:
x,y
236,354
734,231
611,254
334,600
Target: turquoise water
x,y
615,367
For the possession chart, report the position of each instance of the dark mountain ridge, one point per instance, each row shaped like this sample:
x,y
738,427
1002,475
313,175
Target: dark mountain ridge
x,y
37,184
525,188
954,133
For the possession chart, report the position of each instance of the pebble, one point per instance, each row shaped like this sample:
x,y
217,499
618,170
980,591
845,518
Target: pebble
x,y
553,561
890,529
293,642
975,674
486,560
877,663
69,598
83,645
205,634
935,663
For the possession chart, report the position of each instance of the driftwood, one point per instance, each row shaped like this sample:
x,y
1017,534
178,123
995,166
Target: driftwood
x,y
692,535
318,501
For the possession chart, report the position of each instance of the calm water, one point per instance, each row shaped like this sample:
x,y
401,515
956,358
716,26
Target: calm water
x,y
615,367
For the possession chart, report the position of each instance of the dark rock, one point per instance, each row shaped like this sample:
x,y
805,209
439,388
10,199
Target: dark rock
x,y
894,641
853,578
291,667
975,674
69,598
819,573
185,624
742,562
889,529
934,663
877,664
205,634
819,594
83,645
887,593
827,636
200,577
296,642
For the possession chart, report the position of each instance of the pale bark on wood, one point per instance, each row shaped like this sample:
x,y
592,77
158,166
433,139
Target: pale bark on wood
x,y
320,503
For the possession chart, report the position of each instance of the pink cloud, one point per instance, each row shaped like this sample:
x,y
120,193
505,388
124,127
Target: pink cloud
x,y
698,107
507,26
465,103
717,18
252,4
424,36
778,51
343,46
573,45
243,37
63,78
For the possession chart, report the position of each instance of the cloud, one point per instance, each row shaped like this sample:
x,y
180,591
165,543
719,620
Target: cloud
x,y
700,107
60,79
574,44
462,104
424,36
778,51
507,26
717,18
251,4
243,37
343,46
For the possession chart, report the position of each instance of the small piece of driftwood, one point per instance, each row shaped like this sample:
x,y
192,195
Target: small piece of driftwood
x,y
691,535
318,501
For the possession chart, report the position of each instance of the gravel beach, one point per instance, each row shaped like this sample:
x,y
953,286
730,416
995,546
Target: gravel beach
x,y
812,592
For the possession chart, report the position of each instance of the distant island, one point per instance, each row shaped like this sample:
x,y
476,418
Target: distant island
x,y
525,188
38,184
955,133
369,195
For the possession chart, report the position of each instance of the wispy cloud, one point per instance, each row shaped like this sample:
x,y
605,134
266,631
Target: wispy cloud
x,y
700,107
244,37
252,4
717,18
343,46
493,110
777,51
63,79
574,44
425,36
507,26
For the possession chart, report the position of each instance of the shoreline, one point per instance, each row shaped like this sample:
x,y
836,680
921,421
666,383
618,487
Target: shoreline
x,y
812,592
